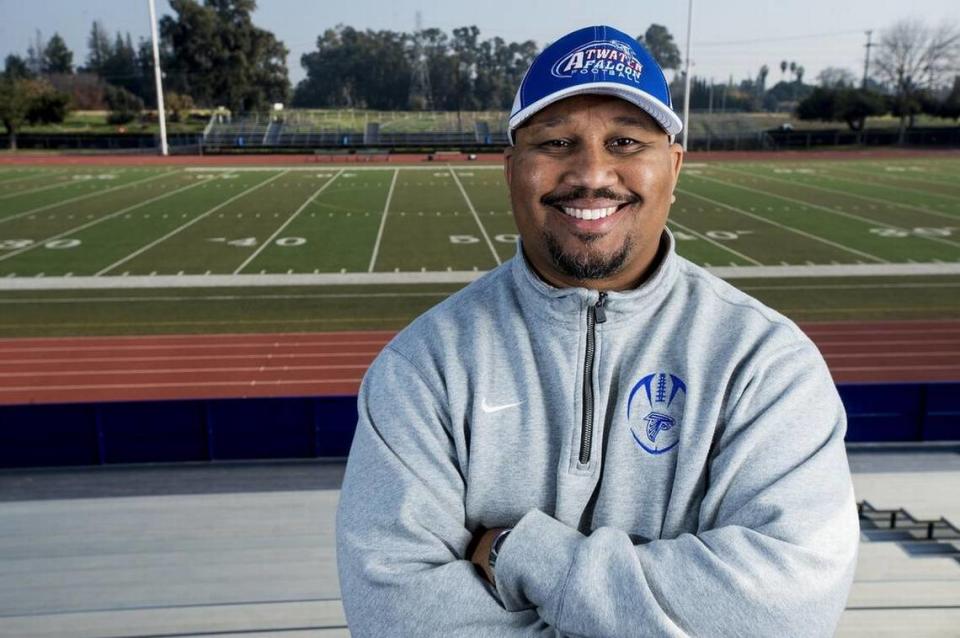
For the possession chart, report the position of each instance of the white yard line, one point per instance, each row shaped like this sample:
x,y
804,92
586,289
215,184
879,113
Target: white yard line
x,y
383,221
837,191
40,209
270,239
4,182
898,176
779,225
714,242
446,277
473,210
98,220
38,189
187,225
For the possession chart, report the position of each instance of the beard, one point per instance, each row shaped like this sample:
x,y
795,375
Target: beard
x,y
589,265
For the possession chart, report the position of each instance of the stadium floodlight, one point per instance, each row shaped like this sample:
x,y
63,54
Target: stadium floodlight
x,y
686,74
157,74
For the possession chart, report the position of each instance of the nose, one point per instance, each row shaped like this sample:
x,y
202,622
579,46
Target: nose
x,y
591,167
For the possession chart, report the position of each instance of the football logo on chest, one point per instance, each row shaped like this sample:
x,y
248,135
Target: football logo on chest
x,y
655,411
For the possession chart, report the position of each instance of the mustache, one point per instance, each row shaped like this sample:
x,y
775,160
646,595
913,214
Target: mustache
x,y
581,192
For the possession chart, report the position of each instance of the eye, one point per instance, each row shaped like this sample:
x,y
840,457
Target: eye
x,y
558,143
624,143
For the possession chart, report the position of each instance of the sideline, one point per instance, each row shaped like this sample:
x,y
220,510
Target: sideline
x,y
9,283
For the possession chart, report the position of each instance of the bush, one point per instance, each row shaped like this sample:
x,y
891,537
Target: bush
x,y
49,107
124,105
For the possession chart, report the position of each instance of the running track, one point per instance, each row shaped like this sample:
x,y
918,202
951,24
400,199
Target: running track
x,y
90,369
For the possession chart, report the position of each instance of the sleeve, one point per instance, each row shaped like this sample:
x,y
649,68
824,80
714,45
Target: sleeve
x,y
774,552
401,531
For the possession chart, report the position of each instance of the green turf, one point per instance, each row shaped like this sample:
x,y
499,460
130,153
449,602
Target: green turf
x,y
117,222
301,308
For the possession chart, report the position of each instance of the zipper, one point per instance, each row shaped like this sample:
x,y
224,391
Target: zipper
x,y
595,314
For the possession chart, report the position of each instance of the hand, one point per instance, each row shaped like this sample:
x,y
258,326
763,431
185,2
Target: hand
x,y
482,541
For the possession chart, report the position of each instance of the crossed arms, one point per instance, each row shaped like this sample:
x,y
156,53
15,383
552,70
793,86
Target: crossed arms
x,y
775,548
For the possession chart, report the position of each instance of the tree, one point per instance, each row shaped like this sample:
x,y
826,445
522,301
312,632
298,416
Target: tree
x,y
120,67
35,53
844,104
913,57
661,46
374,69
124,105
214,53
16,67
783,69
951,105
57,58
98,46
834,77
762,80
28,101
854,106
179,105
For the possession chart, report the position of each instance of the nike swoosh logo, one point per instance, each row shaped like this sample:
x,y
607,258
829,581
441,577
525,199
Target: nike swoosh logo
x,y
490,409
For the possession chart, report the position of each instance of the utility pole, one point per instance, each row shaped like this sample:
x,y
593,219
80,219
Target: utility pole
x,y
686,73
866,62
420,93
157,73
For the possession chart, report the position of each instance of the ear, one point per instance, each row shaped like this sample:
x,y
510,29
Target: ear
x,y
676,160
508,164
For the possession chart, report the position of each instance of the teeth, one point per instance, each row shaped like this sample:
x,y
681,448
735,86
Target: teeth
x,y
589,213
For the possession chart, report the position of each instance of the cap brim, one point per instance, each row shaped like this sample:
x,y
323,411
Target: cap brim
x,y
669,121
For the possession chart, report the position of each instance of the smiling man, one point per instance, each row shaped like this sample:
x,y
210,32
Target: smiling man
x,y
598,438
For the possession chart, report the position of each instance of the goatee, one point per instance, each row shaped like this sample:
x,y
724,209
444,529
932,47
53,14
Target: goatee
x,y
588,265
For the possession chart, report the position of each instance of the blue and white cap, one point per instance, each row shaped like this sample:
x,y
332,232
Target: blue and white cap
x,y
595,60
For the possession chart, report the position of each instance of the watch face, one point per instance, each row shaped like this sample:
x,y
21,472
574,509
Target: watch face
x,y
495,547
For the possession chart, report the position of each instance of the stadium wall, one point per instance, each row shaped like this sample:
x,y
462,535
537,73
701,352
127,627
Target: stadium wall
x,y
323,427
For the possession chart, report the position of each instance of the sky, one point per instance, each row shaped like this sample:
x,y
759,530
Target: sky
x,y
729,37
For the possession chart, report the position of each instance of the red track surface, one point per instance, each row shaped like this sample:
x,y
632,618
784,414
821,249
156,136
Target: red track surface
x,y
84,369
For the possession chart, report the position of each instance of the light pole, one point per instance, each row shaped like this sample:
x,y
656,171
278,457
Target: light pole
x,y
161,113
686,81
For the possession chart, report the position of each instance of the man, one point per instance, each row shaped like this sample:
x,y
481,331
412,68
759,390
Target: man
x,y
598,438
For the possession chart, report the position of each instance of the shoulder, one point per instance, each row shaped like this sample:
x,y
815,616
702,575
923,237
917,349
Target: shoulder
x,y
743,315
461,314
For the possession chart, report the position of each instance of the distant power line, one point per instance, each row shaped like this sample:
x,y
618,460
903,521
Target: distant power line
x,y
721,43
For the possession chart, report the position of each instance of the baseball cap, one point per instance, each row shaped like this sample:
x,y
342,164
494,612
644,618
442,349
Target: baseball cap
x,y
597,60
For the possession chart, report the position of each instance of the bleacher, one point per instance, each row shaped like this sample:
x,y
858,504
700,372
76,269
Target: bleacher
x,y
354,129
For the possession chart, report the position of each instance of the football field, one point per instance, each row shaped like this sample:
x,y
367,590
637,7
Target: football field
x,y
127,249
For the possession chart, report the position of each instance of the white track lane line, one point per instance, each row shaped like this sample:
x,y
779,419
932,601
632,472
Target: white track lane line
x,y
226,369
181,384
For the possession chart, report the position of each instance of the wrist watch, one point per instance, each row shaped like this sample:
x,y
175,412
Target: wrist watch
x,y
495,548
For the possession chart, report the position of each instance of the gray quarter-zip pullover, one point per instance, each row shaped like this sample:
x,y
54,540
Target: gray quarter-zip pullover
x,y
671,460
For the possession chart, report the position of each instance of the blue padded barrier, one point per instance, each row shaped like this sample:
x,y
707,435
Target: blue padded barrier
x,y
310,427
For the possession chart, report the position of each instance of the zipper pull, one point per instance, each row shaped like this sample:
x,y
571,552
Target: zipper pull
x,y
599,313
